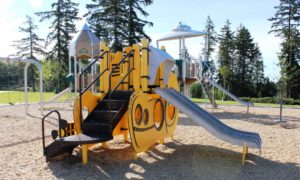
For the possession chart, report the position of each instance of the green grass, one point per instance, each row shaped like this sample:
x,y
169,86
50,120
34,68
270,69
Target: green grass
x,y
13,97
196,100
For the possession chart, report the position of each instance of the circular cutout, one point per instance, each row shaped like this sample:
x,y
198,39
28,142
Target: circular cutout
x,y
158,114
171,111
138,114
146,116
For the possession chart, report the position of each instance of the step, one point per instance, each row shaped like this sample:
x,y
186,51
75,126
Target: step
x,y
117,95
96,129
101,115
115,104
65,146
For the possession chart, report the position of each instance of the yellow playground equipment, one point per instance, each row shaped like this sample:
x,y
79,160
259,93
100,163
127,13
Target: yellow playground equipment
x,y
139,98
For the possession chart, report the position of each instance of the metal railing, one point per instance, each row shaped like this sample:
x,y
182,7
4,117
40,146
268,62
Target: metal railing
x,y
129,70
43,128
81,92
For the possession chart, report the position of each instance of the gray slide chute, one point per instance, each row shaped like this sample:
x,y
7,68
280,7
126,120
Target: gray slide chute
x,y
244,103
208,121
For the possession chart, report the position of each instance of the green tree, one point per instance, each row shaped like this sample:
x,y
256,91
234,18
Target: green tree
x,y
285,24
211,38
258,70
117,22
226,55
135,25
246,55
29,46
107,19
63,15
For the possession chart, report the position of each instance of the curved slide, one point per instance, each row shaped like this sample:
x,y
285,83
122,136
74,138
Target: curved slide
x,y
244,103
208,121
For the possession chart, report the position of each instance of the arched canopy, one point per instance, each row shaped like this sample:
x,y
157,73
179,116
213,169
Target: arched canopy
x,y
85,44
181,31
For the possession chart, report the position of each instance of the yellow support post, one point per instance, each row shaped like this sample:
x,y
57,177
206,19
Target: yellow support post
x,y
245,152
126,67
137,67
104,65
84,149
144,65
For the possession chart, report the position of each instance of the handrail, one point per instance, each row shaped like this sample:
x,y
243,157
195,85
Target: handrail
x,y
81,92
119,83
43,128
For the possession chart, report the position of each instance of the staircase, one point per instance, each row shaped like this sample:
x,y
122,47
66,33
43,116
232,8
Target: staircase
x,y
96,127
101,121
208,90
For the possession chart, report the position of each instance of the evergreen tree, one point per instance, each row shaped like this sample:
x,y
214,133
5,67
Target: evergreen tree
x,y
285,24
117,22
63,15
246,55
226,55
211,38
107,19
135,25
29,46
258,71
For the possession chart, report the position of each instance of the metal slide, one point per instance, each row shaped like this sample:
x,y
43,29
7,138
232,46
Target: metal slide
x,y
244,103
208,121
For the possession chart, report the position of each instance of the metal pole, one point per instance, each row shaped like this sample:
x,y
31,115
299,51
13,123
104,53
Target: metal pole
x,y
41,89
26,88
92,65
75,75
70,64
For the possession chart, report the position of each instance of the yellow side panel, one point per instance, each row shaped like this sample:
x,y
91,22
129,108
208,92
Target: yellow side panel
x,y
122,126
144,65
104,64
148,121
137,68
89,101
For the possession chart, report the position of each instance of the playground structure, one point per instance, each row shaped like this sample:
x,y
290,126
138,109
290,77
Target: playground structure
x,y
191,70
39,66
84,46
139,96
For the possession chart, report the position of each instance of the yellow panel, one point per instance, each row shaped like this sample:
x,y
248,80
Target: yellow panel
x,y
104,64
89,101
137,67
144,65
152,127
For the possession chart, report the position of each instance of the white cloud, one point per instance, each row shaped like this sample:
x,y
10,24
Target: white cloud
x,y
36,4
6,4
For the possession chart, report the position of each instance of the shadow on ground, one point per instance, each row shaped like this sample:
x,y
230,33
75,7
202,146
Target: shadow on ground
x,y
173,161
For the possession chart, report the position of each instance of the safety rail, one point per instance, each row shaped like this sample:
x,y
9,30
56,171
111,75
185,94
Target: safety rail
x,y
129,70
43,127
81,92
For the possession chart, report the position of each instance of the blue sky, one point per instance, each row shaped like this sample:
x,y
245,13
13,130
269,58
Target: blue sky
x,y
165,14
